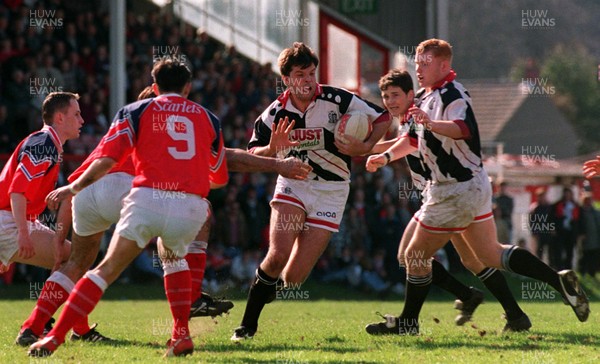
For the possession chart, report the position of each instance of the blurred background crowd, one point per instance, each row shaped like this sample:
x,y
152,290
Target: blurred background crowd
x,y
73,57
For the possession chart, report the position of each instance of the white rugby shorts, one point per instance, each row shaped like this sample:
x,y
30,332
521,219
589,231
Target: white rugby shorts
x,y
8,234
175,217
452,207
99,205
323,202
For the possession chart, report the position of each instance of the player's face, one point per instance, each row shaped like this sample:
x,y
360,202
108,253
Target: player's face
x,y
430,69
302,82
72,120
396,101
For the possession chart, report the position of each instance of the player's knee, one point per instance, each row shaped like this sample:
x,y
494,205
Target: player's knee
x,y
275,261
474,266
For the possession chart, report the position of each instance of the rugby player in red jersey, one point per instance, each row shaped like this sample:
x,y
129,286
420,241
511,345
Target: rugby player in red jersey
x,y
30,174
99,206
167,136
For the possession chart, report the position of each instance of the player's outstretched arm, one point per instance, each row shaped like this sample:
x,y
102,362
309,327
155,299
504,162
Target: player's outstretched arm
x,y
239,160
94,172
591,168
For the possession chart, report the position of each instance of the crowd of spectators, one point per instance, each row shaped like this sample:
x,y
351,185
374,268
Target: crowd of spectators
x,y
72,55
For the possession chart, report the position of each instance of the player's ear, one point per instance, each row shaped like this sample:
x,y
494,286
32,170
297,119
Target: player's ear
x,y
285,80
410,94
155,89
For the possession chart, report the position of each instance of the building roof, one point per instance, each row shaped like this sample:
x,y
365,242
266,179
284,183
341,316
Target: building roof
x,y
494,104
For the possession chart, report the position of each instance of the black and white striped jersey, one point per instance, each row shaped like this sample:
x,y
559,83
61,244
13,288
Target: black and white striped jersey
x,y
314,129
445,159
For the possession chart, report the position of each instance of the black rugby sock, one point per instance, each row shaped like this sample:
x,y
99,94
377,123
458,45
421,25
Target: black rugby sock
x,y
520,261
495,282
443,279
417,289
261,292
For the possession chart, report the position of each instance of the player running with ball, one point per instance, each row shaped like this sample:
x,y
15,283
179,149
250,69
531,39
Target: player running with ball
x,y
315,206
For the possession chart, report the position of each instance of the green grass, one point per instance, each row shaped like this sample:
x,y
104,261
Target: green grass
x,y
326,328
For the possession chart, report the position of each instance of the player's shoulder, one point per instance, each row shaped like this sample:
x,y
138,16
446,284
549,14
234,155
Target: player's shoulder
x,y
453,91
334,94
137,106
337,96
40,145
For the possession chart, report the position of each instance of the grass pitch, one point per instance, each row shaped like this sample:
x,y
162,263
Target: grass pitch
x,y
326,326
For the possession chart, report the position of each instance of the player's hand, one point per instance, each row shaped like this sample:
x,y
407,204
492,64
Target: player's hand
x,y
375,161
55,197
353,147
591,168
280,136
420,117
25,244
293,168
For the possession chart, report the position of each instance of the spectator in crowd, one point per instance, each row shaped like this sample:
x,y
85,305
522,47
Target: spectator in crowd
x,y
543,229
505,205
566,213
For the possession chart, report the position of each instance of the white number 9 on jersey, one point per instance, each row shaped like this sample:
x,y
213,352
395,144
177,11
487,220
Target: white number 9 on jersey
x,y
187,136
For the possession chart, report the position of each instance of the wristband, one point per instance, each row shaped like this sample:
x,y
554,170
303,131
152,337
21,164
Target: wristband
x,y
73,190
388,157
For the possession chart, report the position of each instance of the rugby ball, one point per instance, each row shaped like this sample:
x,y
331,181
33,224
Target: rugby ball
x,y
355,124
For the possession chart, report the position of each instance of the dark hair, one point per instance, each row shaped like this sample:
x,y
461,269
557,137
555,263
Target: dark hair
x,y
146,93
398,78
171,75
297,55
54,102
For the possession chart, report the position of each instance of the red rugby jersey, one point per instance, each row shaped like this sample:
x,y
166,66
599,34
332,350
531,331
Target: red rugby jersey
x,y
125,166
32,170
176,144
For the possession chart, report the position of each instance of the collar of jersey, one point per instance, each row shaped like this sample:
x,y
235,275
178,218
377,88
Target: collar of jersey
x,y
284,97
449,78
54,136
169,94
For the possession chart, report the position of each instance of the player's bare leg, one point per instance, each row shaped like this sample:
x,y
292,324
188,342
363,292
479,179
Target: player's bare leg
x,y
42,245
287,222
87,293
481,237
309,246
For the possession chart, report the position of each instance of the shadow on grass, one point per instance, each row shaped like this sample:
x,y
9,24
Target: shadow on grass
x,y
524,341
117,343
269,347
